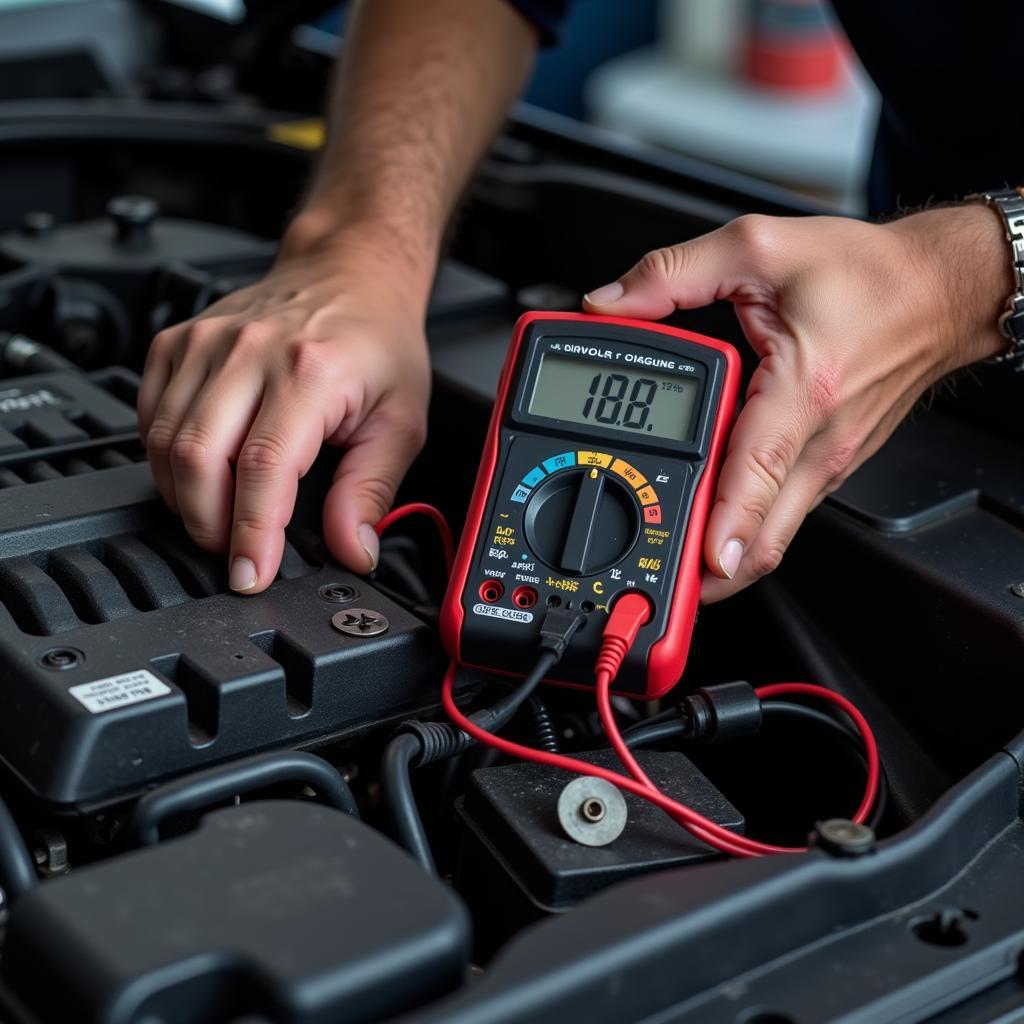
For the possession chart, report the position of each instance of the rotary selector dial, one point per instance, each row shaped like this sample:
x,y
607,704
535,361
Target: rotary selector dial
x,y
582,521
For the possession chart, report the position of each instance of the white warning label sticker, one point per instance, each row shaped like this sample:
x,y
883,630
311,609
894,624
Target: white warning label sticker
x,y
119,691
494,612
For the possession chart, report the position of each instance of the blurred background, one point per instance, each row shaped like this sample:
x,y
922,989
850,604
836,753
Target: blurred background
x,y
768,88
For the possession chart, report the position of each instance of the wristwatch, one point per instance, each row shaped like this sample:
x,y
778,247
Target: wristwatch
x,y
1009,204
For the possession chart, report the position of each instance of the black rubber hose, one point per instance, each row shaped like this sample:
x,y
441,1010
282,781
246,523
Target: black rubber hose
x,y
397,794
658,731
655,732
788,709
17,871
194,792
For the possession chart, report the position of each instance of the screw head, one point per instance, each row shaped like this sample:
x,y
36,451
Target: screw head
x,y
61,658
1017,590
338,593
360,622
592,811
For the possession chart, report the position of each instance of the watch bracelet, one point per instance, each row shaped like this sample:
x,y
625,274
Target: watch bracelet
x,y
1009,205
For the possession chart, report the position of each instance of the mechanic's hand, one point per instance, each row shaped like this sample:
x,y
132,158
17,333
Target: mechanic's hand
x,y
236,403
852,323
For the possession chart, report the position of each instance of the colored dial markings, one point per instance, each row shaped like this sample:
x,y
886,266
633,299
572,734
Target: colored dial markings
x,y
636,480
629,473
557,462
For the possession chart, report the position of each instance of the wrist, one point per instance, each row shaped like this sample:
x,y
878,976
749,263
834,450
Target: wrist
x,y
329,236
964,264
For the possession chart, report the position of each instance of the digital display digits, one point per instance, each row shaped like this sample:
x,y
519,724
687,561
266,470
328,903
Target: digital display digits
x,y
596,393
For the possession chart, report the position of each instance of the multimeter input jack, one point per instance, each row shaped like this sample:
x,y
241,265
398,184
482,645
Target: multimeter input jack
x,y
524,597
491,591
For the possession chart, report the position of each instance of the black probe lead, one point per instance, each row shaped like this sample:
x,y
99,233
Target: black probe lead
x,y
421,743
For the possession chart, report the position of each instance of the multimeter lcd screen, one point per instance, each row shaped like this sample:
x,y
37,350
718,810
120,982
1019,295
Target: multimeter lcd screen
x,y
614,397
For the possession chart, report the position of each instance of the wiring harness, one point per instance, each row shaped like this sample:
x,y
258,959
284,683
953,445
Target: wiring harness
x,y
702,714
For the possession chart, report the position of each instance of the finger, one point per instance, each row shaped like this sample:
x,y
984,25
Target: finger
x,y
802,492
364,488
207,442
279,449
766,444
695,273
174,403
155,376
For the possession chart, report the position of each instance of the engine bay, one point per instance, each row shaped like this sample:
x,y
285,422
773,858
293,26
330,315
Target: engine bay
x,y
205,784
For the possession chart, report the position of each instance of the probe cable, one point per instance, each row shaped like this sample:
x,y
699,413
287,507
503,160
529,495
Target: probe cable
x,y
625,620
627,616
421,508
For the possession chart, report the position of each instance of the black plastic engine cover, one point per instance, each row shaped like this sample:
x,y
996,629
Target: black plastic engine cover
x,y
124,656
61,424
289,909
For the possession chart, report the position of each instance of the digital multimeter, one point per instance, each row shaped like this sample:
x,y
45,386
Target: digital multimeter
x,y
596,478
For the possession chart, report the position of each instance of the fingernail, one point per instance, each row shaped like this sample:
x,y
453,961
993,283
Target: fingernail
x,y
242,575
605,294
729,558
370,543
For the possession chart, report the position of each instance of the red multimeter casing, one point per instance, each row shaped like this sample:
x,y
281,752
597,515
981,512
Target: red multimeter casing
x,y
596,477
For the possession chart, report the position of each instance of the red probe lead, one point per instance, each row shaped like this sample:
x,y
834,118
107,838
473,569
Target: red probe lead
x,y
421,508
627,616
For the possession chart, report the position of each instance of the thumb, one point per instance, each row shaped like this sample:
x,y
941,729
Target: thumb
x,y
367,478
684,276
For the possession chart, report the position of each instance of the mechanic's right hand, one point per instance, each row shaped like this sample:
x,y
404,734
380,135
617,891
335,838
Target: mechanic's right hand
x,y
236,403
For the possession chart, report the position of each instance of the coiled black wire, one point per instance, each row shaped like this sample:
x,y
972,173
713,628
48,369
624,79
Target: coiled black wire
x,y
544,731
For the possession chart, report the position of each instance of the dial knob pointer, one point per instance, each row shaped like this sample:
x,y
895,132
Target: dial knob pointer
x,y
583,522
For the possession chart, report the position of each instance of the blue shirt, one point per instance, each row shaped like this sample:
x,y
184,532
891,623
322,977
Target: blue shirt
x,y
950,74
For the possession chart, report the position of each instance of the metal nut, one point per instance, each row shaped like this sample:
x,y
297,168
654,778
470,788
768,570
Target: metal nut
x,y
592,811
360,622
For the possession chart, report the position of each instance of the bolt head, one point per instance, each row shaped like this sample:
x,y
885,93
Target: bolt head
x,y
37,223
844,837
1017,590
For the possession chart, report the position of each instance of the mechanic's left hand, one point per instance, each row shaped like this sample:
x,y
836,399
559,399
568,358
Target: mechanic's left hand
x,y
852,323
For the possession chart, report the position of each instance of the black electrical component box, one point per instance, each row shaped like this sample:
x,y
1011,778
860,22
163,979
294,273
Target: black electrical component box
x,y
516,864
124,655
60,424
288,910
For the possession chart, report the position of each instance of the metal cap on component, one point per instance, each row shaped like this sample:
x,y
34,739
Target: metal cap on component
x,y
592,811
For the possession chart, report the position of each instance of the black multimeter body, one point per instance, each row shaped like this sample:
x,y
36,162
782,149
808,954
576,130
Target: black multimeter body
x,y
596,478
